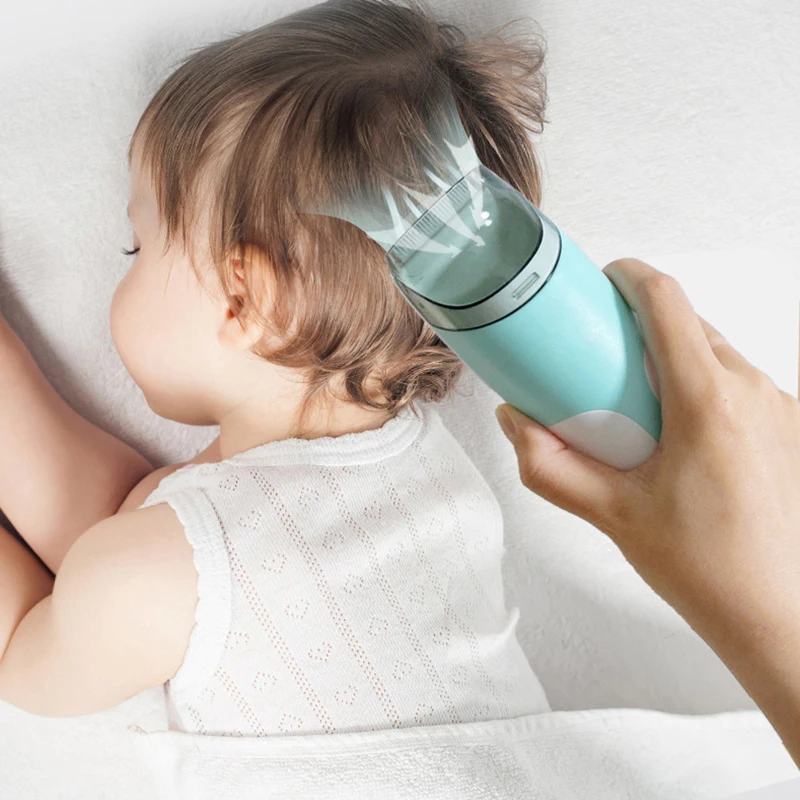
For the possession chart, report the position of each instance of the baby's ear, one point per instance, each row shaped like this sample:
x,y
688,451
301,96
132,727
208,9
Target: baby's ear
x,y
241,327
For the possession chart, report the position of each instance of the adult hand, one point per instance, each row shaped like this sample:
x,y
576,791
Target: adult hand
x,y
712,520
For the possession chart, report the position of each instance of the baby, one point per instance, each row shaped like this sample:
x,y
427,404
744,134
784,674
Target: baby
x,y
332,561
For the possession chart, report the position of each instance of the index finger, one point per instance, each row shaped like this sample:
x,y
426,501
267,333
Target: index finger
x,y
672,331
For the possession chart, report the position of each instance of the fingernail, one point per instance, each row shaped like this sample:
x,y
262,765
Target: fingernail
x,y
506,423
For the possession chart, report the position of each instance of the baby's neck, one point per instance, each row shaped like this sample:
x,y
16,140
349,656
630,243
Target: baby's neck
x,y
247,426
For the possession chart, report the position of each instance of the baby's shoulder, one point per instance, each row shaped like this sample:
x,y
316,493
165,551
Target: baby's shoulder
x,y
145,550
130,582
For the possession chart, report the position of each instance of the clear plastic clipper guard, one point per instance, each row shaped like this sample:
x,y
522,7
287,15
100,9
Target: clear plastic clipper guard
x,y
469,244
464,247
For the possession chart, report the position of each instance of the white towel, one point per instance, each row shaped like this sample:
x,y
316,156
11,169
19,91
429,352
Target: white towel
x,y
618,754
608,754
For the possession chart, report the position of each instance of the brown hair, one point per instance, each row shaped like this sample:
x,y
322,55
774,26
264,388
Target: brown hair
x,y
259,123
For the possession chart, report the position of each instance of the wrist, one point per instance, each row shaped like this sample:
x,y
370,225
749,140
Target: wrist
x,y
760,643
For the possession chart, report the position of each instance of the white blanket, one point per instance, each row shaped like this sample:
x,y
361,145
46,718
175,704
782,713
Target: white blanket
x,y
603,754
611,754
672,128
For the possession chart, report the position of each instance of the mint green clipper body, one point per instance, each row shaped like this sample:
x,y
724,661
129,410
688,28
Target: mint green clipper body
x,y
525,308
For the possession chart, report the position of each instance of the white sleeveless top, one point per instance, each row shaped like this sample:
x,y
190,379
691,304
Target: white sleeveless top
x,y
346,583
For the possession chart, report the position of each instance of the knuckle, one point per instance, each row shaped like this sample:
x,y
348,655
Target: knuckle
x,y
658,286
762,382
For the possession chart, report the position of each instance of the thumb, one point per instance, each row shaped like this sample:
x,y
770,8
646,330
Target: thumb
x,y
563,476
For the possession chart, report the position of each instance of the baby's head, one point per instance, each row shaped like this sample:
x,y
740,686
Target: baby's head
x,y
235,297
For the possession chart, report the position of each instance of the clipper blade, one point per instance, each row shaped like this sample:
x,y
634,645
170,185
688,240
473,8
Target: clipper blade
x,y
454,232
386,216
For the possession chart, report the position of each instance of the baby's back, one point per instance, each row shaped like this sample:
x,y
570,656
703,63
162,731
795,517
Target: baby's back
x,y
349,583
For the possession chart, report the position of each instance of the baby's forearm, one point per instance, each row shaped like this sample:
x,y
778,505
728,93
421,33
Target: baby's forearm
x,y
59,474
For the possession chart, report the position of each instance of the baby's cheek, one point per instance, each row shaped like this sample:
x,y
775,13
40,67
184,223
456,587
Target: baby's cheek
x,y
117,313
127,326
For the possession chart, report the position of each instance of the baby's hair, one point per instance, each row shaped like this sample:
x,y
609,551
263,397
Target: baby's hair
x,y
252,129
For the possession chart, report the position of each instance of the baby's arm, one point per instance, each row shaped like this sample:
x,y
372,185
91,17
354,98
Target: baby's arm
x,y
59,474
116,620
